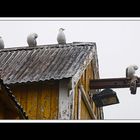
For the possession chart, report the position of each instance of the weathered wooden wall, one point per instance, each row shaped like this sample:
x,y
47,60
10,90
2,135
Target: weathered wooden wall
x,y
80,105
43,100
39,100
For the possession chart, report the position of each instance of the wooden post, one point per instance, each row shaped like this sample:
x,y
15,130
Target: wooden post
x,y
64,108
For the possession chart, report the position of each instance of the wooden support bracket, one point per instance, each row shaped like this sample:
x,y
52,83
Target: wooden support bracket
x,y
84,96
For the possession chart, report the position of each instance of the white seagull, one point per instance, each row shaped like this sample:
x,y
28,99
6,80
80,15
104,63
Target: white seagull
x,y
130,71
31,39
1,43
61,39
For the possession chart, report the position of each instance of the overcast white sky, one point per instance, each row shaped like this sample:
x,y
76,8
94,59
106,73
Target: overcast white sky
x,y
118,45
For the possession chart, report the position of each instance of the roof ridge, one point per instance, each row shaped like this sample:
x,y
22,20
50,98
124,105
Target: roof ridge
x,y
73,44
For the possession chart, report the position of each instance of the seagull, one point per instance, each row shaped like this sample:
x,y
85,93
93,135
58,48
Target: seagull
x,y
1,43
61,37
31,39
130,71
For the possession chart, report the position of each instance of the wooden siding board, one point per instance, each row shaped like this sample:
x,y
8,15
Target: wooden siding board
x,y
39,100
84,113
23,97
79,104
76,103
87,103
54,102
44,103
32,101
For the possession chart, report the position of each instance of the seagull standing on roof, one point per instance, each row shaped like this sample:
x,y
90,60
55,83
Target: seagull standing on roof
x,y
61,39
1,43
130,71
31,39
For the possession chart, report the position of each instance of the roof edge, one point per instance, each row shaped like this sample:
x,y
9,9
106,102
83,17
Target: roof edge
x,y
49,46
87,61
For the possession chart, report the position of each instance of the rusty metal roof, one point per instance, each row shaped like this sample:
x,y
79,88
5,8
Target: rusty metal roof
x,y
44,62
12,101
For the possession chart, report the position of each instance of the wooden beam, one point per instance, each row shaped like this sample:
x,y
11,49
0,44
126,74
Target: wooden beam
x,y
86,101
111,83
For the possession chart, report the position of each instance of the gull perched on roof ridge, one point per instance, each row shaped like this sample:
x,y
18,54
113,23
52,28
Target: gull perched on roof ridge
x,y
130,71
61,39
31,39
1,43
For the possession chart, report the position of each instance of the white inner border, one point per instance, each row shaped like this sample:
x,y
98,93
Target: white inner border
x,y
69,19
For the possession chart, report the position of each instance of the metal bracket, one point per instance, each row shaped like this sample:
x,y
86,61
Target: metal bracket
x,y
133,85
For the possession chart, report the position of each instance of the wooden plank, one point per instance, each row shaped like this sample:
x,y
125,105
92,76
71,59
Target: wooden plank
x,y
86,101
111,83
32,101
54,101
79,104
23,97
44,101
86,80
76,103
21,93
84,112
64,109
40,110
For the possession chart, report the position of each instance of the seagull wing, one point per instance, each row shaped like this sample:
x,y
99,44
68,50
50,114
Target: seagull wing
x,y
127,73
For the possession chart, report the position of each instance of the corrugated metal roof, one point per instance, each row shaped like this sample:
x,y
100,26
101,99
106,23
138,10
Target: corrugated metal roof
x,y
44,62
9,96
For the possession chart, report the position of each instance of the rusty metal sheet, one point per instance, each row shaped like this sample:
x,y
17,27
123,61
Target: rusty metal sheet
x,y
112,83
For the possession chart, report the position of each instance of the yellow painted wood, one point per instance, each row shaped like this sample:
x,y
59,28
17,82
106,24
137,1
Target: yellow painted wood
x,y
76,103
44,97
84,113
39,100
32,101
48,101
23,97
85,78
54,102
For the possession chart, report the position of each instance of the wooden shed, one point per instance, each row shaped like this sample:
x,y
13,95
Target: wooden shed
x,y
50,81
